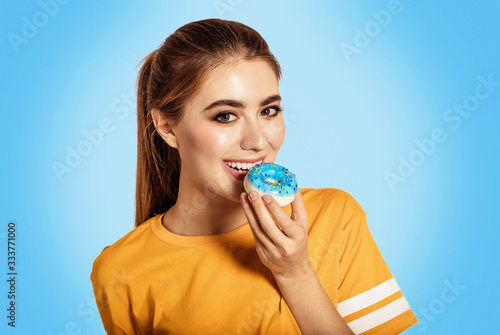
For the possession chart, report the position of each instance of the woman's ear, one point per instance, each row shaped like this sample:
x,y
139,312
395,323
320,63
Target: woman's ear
x,y
164,128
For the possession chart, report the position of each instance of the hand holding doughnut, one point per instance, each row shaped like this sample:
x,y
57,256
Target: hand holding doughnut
x,y
283,251
281,241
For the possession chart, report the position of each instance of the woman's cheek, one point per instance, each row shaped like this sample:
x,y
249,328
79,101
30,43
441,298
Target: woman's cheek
x,y
275,132
193,143
209,140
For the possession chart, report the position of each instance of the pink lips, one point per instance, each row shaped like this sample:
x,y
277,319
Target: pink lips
x,y
239,176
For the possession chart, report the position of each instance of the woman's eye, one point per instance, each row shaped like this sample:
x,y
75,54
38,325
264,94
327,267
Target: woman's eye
x,y
224,117
272,111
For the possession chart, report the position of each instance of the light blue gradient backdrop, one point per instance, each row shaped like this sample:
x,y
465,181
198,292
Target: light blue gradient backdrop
x,y
347,125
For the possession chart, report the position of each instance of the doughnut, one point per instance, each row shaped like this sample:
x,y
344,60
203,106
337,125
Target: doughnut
x,y
272,179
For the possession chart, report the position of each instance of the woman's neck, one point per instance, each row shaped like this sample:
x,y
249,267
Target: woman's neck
x,y
198,214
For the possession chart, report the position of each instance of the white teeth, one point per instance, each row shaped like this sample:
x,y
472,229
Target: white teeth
x,y
242,166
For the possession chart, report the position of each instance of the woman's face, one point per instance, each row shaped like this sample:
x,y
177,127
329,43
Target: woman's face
x,y
234,118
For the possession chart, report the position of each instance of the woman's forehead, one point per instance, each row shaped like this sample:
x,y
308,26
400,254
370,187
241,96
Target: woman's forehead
x,y
245,81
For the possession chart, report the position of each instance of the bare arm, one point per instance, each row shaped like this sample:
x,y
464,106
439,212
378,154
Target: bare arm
x,y
310,305
285,254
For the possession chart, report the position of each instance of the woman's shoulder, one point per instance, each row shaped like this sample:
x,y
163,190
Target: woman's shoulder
x,y
329,197
120,254
331,208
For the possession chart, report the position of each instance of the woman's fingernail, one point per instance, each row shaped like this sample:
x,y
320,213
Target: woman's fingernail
x,y
243,197
253,195
266,198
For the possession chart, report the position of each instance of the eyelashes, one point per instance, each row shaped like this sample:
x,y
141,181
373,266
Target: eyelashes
x,y
225,117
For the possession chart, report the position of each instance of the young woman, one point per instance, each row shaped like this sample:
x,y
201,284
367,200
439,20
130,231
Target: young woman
x,y
208,258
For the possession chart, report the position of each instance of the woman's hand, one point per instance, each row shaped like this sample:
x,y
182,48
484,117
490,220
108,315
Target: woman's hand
x,y
285,254
284,251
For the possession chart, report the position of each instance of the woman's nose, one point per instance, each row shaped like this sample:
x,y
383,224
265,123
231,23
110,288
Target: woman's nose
x,y
252,136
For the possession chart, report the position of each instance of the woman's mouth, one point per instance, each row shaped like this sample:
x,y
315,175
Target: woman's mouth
x,y
240,169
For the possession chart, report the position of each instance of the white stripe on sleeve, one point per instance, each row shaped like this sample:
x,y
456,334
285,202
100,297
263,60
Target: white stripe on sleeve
x,y
368,298
381,315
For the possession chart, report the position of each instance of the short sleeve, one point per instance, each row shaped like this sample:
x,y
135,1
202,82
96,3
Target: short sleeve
x,y
370,300
112,299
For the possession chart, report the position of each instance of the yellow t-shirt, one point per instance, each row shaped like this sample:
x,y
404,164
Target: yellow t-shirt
x,y
152,281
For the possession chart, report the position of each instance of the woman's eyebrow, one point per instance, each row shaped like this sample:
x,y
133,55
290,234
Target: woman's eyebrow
x,y
238,104
271,99
225,102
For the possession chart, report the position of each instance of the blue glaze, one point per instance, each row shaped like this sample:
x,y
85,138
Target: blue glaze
x,y
273,179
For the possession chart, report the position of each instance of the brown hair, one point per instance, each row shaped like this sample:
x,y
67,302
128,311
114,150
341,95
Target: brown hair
x,y
168,79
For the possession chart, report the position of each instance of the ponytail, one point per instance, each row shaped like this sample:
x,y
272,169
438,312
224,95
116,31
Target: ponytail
x,y
158,164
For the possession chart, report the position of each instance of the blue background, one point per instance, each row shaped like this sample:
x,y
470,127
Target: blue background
x,y
352,120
